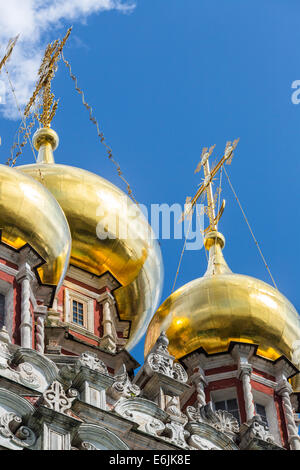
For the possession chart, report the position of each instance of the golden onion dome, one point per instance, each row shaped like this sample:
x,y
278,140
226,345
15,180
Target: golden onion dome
x,y
29,214
109,233
221,307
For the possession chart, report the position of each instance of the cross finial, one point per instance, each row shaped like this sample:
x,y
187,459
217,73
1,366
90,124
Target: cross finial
x,y
43,86
206,186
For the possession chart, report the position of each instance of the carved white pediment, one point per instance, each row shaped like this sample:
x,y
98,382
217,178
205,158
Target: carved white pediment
x,y
201,443
95,437
205,437
149,417
13,411
27,367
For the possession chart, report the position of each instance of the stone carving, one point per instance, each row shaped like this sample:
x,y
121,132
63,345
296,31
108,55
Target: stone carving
x,y
123,387
24,373
149,417
154,426
87,446
225,422
175,432
91,361
56,399
202,443
27,375
11,428
254,429
260,430
159,360
221,420
165,366
173,406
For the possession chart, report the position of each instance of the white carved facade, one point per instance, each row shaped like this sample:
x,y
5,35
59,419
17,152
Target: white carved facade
x,y
58,402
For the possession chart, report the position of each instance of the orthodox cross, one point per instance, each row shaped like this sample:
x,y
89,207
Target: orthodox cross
x,y
206,186
43,86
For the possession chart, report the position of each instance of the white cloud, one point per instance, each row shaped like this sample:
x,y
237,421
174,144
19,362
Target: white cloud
x,y
33,19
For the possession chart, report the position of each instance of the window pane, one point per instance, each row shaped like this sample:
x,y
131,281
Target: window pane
x,y
261,410
236,414
220,405
232,404
78,313
229,405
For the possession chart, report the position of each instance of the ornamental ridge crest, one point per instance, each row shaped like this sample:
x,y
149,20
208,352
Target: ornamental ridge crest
x,y
91,360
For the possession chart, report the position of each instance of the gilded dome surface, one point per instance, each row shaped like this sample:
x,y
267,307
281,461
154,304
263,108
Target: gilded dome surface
x,y
29,214
221,307
109,234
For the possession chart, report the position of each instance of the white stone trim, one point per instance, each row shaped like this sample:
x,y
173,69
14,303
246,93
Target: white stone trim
x,y
88,313
80,290
221,376
263,380
66,305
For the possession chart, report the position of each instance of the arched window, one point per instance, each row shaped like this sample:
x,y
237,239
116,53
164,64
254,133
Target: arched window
x,y
2,310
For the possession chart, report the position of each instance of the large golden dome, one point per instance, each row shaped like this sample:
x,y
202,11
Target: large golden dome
x,y
109,233
29,214
221,307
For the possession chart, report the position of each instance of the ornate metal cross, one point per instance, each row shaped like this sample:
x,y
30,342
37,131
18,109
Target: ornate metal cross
x,y
206,186
43,86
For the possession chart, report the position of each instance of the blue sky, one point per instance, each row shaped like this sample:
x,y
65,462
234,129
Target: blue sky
x,y
176,75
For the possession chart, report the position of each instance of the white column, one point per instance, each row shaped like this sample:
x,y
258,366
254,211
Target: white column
x,y
24,277
108,340
107,321
200,382
40,314
284,389
245,371
40,334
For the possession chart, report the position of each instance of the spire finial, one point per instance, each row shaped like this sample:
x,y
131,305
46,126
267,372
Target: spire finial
x,y
214,242
45,141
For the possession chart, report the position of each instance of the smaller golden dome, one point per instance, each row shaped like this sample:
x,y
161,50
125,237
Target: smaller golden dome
x,y
221,307
29,214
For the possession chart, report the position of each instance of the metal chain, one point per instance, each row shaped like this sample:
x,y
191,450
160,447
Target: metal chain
x,y
100,134
185,239
251,231
23,127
